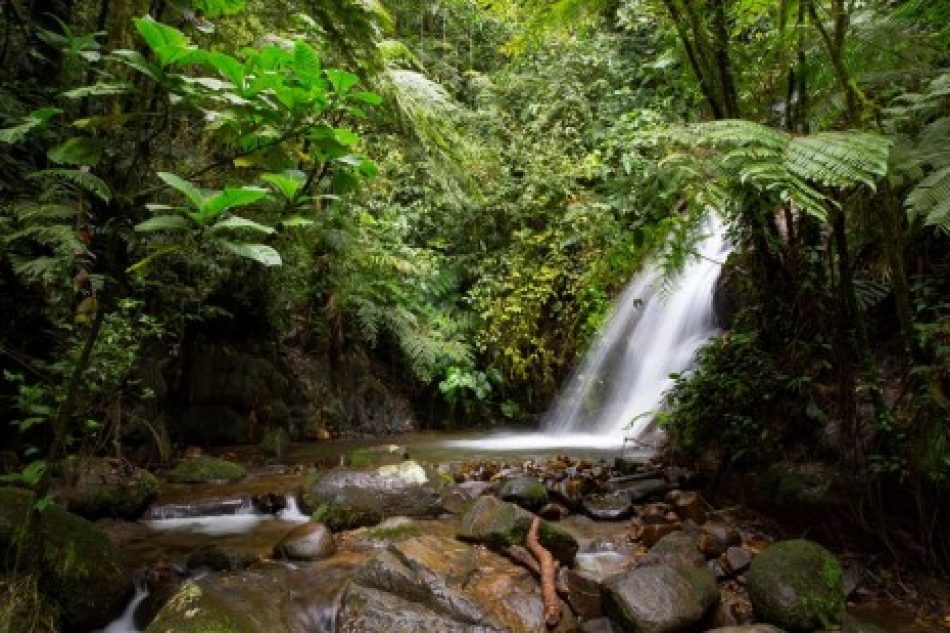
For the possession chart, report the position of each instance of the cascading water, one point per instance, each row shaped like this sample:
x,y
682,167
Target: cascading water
x,y
655,331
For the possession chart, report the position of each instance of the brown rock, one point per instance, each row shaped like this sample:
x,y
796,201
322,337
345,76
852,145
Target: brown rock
x,y
735,561
689,505
553,512
716,538
655,513
653,532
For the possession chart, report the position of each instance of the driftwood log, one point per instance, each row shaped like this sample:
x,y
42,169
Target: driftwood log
x,y
548,569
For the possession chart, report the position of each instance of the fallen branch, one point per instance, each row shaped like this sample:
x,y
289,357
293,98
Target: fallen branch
x,y
523,557
548,567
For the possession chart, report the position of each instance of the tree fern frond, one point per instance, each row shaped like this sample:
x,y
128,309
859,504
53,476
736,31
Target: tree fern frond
x,y
839,159
739,132
929,201
81,179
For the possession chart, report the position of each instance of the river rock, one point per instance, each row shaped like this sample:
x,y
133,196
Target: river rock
x,y
553,512
309,541
527,492
677,549
200,470
346,498
501,524
689,505
585,580
661,599
457,498
445,584
796,585
609,507
650,534
735,561
643,489
105,488
715,538
217,558
81,571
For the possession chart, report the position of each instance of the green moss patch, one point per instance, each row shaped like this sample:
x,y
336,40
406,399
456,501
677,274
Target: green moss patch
x,y
201,470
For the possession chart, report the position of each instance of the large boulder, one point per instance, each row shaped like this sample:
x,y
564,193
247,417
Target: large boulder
x,y
500,524
439,584
796,585
661,599
208,605
309,541
104,488
347,498
80,570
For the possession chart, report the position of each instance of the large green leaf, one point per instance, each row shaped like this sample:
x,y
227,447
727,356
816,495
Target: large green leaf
x,y
190,191
306,62
136,60
229,67
238,223
168,43
342,81
162,223
260,253
287,183
79,150
230,198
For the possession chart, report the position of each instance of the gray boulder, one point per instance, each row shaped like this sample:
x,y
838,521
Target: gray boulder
x,y
661,599
309,541
346,498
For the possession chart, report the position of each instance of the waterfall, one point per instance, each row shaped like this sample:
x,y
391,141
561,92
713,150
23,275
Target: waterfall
x,y
655,328
654,331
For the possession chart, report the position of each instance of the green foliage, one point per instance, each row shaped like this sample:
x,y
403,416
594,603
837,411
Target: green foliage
x,y
206,469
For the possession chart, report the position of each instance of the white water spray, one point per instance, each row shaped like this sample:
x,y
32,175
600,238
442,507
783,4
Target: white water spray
x,y
654,331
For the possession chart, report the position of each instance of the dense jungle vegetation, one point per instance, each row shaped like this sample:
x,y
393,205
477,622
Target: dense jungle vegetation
x,y
439,199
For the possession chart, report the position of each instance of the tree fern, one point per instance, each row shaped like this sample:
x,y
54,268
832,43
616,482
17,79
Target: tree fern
x,y
929,201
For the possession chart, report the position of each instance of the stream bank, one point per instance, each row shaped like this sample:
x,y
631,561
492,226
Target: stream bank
x,y
218,550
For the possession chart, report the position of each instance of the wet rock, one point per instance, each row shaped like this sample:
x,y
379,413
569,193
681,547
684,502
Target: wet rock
x,y
501,524
609,507
676,549
309,541
554,512
81,571
735,561
218,559
367,610
652,533
201,470
571,491
106,488
597,625
661,599
162,580
637,491
527,492
715,538
382,455
454,584
655,513
346,498
457,499
209,605
213,507
796,585
585,580
689,505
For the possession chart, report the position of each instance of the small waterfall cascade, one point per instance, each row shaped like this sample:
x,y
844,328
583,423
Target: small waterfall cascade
x,y
655,329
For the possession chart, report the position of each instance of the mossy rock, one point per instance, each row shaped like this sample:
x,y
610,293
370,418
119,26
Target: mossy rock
x,y
80,570
193,609
100,488
796,585
199,470
350,498
500,524
24,608
527,492
275,443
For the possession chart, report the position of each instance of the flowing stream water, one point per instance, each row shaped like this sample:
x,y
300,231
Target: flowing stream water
x,y
654,331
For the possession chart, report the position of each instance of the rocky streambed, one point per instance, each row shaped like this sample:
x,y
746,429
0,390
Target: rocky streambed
x,y
386,543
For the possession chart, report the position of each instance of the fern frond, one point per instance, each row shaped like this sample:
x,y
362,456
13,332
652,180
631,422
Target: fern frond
x,y
739,133
929,201
839,159
82,180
